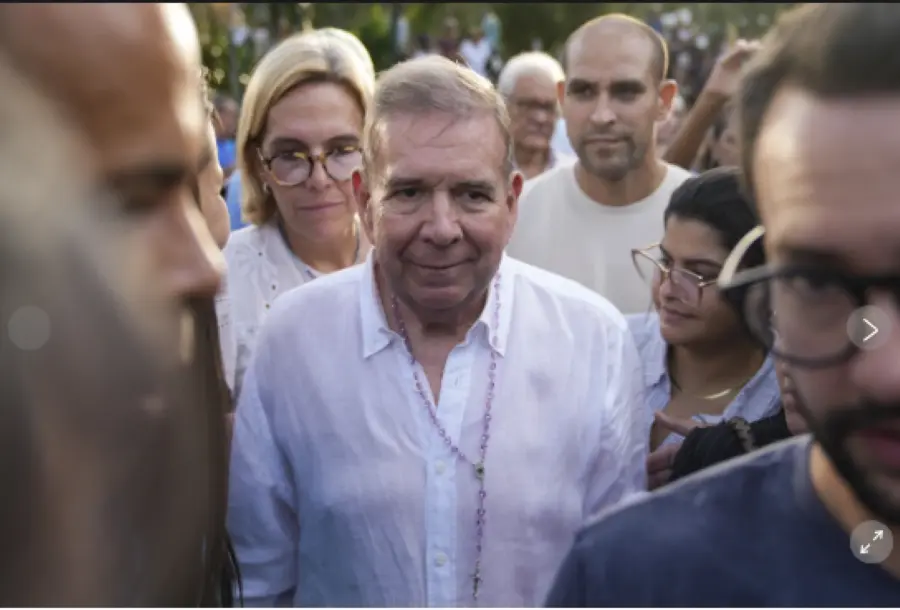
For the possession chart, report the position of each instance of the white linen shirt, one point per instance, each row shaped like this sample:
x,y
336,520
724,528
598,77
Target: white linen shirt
x,y
342,491
260,267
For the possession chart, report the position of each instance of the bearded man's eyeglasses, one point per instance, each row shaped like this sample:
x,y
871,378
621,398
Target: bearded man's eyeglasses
x,y
815,305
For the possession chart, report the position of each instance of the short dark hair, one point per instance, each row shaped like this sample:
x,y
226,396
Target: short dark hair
x,y
830,50
660,62
716,198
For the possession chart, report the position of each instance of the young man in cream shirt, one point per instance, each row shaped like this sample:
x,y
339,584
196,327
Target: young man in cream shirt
x,y
582,220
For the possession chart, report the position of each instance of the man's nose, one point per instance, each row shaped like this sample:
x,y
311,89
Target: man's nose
x,y
603,112
877,370
193,264
442,227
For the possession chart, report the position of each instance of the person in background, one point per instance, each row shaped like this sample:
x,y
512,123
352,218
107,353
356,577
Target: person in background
x,y
705,446
560,142
529,84
423,46
700,360
582,220
792,525
709,113
476,50
721,148
667,129
448,43
493,29
233,196
211,176
298,143
142,145
233,190
392,433
228,111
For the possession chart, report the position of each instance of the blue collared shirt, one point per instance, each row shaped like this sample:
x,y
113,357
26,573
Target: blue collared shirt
x,y
233,201
759,398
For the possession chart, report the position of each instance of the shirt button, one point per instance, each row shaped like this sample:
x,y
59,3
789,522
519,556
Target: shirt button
x,y
267,305
273,287
440,559
440,467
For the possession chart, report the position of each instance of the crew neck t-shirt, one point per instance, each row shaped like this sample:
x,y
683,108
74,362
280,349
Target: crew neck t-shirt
x,y
562,230
751,532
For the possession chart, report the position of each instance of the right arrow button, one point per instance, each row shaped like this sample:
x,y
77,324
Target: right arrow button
x,y
869,327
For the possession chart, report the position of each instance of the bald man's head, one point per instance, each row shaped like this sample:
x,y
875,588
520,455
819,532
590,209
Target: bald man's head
x,y
618,24
127,77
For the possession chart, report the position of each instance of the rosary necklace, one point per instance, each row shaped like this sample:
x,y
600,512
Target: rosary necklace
x,y
477,467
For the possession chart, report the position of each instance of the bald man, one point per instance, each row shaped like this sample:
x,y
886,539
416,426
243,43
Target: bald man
x,y
127,76
582,221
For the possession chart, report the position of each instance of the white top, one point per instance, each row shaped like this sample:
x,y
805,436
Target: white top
x,y
343,493
476,54
260,268
563,230
560,142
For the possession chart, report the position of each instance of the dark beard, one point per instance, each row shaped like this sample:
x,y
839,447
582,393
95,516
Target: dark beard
x,y
833,432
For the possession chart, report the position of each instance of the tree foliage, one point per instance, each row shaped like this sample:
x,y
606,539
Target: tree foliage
x,y
550,23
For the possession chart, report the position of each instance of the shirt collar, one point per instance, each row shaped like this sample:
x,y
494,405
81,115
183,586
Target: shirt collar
x,y
377,335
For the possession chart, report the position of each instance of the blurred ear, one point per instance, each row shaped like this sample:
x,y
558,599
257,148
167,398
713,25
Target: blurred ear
x,y
561,91
667,92
362,196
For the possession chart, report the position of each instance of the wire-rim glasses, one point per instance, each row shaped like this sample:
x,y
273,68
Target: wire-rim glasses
x,y
651,266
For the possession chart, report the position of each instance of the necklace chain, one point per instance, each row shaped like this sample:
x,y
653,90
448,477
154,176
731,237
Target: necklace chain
x,y
478,468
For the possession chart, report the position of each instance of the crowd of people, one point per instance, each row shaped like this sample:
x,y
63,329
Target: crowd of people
x,y
449,343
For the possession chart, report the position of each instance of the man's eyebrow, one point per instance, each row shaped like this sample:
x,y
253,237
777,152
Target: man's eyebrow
x,y
403,183
163,176
815,257
475,185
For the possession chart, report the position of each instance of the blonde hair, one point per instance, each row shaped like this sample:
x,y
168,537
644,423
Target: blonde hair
x,y
306,57
432,84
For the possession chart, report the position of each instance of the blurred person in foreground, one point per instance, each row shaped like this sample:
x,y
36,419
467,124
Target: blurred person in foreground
x,y
399,441
299,142
104,427
796,525
145,139
582,220
529,84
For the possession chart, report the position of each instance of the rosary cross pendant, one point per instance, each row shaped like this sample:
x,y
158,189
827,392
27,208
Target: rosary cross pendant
x,y
479,471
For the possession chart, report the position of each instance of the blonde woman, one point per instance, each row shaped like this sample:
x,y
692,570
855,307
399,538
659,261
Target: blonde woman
x,y
298,144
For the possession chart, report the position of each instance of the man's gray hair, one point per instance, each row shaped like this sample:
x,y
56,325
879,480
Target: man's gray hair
x,y
432,84
532,62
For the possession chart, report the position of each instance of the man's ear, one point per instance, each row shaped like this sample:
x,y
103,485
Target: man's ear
x,y
363,197
667,92
561,91
516,181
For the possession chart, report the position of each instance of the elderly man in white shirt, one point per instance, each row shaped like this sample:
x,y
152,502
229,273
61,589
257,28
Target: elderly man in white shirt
x,y
432,427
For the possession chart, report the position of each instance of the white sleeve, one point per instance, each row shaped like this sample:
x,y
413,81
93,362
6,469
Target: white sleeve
x,y
620,469
262,515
